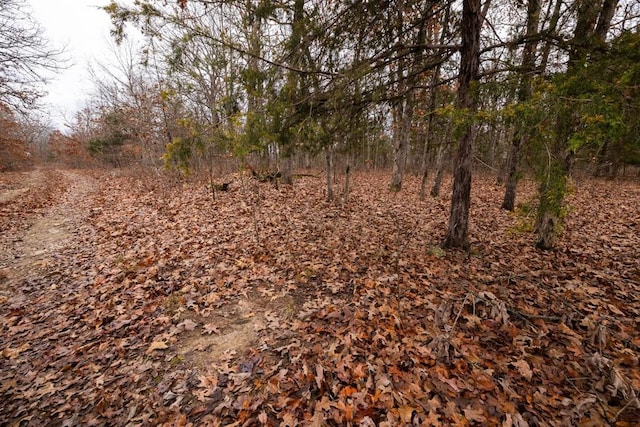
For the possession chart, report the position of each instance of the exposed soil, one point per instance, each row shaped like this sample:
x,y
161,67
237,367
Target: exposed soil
x,y
36,247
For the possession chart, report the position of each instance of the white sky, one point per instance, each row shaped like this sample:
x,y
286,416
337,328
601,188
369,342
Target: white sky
x,y
84,30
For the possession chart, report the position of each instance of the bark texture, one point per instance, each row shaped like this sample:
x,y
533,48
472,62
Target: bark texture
x,y
458,233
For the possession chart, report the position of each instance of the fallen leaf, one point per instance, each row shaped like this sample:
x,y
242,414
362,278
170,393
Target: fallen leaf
x,y
475,414
210,328
288,420
523,368
406,413
9,353
188,325
156,345
14,353
201,394
615,310
347,391
319,376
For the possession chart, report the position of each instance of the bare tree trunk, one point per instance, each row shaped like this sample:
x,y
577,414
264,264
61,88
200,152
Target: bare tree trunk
x,y
458,233
307,160
552,18
329,157
423,183
509,200
524,93
444,32
347,183
406,107
494,140
602,166
604,20
402,144
287,177
443,151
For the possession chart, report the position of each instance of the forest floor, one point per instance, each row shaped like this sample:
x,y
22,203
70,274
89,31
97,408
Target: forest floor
x,y
128,300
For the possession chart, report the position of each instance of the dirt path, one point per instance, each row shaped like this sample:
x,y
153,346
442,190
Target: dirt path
x,y
31,179
27,255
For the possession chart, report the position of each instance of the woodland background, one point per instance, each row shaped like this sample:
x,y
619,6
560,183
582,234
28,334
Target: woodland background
x,y
254,215
418,87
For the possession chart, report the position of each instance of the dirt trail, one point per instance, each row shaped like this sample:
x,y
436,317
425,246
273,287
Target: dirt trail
x,y
28,254
32,180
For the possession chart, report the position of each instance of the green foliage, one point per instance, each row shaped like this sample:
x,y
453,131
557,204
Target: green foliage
x,y
459,117
525,217
555,186
195,139
102,145
253,79
604,97
114,131
437,251
176,360
586,107
254,137
178,153
120,16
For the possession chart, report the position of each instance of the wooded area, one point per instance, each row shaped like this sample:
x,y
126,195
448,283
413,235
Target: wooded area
x,y
415,86
327,213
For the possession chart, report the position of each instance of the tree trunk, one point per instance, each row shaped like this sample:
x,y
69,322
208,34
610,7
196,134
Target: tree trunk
x,y
402,143
494,141
407,75
347,184
602,161
287,177
552,191
617,161
457,236
524,93
293,88
329,157
511,185
423,183
433,100
604,20
443,151
551,30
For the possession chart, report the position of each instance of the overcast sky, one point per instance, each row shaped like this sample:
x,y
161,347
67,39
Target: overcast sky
x,y
84,30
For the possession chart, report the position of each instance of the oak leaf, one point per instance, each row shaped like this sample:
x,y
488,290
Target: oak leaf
x,y
475,414
406,413
210,328
188,325
156,345
523,368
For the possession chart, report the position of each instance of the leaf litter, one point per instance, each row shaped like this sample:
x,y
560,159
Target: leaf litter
x,y
274,307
